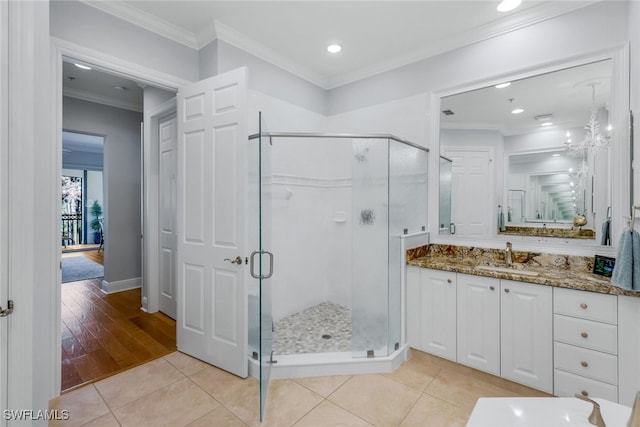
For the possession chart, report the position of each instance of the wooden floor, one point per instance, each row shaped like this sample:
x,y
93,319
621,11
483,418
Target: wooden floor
x,y
106,334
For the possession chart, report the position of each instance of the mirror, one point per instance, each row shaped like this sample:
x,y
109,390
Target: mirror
x,y
446,226
529,156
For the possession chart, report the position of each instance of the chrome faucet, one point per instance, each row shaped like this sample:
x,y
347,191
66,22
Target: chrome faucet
x,y
595,417
508,252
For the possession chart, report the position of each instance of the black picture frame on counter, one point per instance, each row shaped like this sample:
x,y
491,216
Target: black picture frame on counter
x,y
603,265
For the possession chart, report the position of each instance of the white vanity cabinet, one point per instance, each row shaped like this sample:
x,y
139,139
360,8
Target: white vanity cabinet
x,y
558,340
431,311
628,348
585,344
479,322
526,350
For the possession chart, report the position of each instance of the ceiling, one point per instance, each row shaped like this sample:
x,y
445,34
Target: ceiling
x,y
376,36
104,88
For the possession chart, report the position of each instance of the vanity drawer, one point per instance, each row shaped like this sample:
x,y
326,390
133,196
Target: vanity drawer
x,y
567,385
585,333
586,305
587,363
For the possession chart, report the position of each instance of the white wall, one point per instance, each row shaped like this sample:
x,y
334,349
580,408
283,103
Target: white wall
x,y
91,28
266,77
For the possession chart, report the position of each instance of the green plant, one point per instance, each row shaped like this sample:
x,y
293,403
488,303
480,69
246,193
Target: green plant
x,y
96,212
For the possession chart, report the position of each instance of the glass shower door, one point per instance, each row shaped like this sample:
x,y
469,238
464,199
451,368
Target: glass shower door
x,y
261,259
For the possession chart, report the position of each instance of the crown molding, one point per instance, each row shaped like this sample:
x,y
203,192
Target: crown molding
x,y
101,99
149,22
206,35
239,40
528,17
218,30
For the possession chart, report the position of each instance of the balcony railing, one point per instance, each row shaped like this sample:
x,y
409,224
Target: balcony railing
x,y
71,229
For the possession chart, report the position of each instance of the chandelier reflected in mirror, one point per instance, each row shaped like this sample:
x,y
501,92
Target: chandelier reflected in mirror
x,y
593,142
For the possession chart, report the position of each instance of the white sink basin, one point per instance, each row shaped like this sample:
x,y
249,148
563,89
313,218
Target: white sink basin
x,y
543,411
506,270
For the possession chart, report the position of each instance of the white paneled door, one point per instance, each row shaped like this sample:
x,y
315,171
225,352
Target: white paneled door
x,y
212,299
167,138
471,189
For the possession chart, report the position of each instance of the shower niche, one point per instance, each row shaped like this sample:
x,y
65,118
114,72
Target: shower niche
x,y
332,209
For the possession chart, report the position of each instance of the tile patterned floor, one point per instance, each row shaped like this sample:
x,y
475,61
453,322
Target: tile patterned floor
x,y
323,328
177,390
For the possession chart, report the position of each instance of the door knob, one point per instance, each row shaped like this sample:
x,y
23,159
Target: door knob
x,y
237,260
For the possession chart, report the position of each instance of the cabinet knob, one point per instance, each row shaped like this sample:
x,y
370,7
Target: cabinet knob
x,y
584,335
493,288
506,290
584,393
584,306
448,280
584,364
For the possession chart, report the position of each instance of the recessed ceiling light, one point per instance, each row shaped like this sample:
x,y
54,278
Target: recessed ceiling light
x,y
82,66
546,124
555,155
517,111
503,85
507,5
334,48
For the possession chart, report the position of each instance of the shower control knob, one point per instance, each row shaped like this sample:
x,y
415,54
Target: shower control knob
x,y
237,260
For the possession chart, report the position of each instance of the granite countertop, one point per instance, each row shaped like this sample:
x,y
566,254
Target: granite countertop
x,y
553,270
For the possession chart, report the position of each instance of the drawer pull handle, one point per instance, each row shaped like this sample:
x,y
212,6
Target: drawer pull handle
x,y
493,288
584,393
584,335
507,290
584,364
448,280
584,306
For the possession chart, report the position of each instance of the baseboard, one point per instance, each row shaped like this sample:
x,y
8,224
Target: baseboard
x,y
326,364
121,285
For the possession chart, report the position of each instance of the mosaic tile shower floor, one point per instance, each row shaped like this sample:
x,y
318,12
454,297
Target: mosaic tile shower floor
x,y
325,327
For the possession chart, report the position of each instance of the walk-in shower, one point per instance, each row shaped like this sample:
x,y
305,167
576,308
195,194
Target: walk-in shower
x,y
330,210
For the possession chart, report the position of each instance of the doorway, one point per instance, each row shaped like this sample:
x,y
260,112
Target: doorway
x,y
103,329
82,199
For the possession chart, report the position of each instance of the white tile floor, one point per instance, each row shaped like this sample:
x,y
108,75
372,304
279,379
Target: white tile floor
x,y
178,390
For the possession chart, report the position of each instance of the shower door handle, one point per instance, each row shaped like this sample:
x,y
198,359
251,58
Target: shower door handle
x,y
251,269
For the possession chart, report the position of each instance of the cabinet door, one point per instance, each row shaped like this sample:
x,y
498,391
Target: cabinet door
x,y
479,322
527,334
438,317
